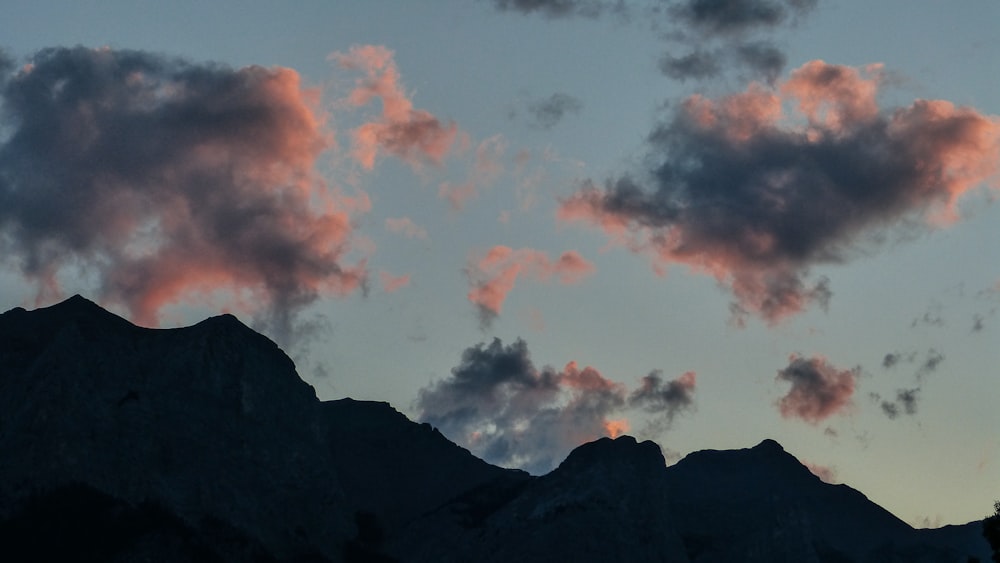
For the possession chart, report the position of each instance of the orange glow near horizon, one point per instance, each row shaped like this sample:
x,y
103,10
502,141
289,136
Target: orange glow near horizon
x,y
616,428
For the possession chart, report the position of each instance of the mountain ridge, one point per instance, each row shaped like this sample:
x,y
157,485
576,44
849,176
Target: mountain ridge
x,y
213,424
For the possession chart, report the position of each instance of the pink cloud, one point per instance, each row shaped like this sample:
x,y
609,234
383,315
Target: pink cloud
x,y
391,284
834,97
172,180
457,195
757,188
486,168
493,275
818,389
406,227
826,473
414,135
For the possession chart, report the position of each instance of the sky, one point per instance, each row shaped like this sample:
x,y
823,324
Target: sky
x,y
533,223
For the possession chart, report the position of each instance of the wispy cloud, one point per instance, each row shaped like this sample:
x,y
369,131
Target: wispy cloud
x,y
486,169
494,274
414,135
561,8
406,227
391,283
546,113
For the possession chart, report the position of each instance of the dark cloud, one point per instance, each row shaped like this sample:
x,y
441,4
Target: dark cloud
x,y
890,409
7,65
655,395
561,8
757,59
932,360
729,17
739,190
818,389
931,317
504,409
908,399
698,65
904,403
548,112
664,399
890,360
169,179
729,36
931,363
762,58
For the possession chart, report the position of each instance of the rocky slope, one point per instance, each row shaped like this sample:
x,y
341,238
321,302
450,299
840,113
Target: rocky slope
x,y
119,443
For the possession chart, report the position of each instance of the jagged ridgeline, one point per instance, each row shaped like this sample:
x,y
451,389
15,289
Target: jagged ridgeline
x,y
120,443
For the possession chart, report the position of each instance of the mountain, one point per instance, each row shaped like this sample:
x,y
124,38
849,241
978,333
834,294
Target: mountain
x,y
605,502
120,443
762,504
210,422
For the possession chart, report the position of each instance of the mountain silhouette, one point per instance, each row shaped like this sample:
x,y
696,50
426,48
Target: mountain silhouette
x,y
122,443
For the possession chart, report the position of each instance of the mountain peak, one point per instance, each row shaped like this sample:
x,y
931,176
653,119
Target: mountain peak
x,y
46,321
78,305
768,445
624,450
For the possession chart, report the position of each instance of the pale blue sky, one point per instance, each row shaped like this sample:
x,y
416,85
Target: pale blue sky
x,y
465,61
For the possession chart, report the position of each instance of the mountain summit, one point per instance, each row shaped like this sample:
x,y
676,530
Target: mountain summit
x,y
123,443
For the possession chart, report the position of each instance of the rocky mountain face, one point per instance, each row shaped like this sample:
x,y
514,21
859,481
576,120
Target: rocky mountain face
x,y
119,443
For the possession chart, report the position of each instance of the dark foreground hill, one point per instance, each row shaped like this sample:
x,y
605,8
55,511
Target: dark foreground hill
x,y
119,443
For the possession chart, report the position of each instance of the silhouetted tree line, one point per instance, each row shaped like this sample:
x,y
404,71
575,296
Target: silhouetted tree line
x,y
991,531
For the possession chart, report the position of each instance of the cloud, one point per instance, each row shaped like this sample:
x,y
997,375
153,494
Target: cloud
x,y
930,365
890,360
932,360
728,36
486,168
819,390
164,180
754,59
698,64
733,17
757,188
905,402
762,57
889,408
494,274
826,473
414,135
908,399
391,283
507,411
664,398
546,113
406,227
931,317
561,8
